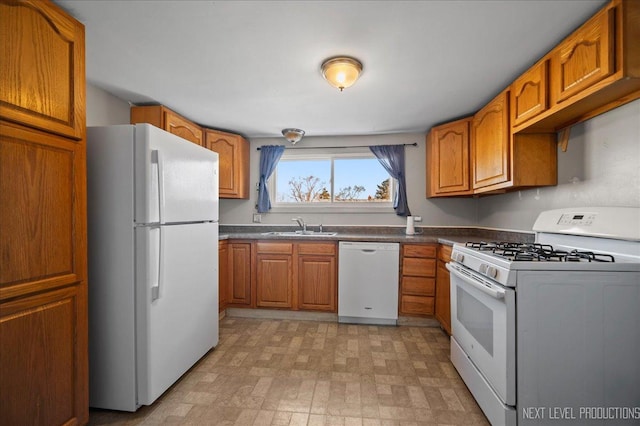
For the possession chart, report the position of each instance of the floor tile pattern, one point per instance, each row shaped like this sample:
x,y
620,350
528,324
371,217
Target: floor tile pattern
x,y
290,372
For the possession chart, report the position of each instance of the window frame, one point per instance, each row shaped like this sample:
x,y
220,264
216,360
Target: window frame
x,y
331,206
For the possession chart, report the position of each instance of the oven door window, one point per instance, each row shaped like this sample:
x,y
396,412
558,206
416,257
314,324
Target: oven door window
x,y
476,317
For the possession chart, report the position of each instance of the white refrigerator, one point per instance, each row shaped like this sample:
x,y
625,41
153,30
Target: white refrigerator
x,y
153,261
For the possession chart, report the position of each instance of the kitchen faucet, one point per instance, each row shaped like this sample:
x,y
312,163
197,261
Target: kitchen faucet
x,y
301,222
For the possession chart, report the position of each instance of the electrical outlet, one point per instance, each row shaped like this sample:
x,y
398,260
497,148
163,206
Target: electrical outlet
x,y
417,218
257,218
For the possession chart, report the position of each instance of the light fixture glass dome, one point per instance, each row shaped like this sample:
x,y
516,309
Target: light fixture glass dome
x,y
341,71
293,135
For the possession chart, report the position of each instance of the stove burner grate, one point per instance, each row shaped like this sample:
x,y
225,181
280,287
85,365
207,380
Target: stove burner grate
x,y
538,252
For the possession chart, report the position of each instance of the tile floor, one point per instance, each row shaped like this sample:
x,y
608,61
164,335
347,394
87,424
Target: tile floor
x,y
291,372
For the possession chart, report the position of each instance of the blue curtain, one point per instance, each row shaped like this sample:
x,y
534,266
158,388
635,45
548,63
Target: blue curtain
x,y
392,159
269,157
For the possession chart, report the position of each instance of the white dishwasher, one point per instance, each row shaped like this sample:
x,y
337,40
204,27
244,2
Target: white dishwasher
x,y
368,282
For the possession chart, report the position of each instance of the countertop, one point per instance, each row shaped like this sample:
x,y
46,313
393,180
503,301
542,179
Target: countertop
x,y
447,236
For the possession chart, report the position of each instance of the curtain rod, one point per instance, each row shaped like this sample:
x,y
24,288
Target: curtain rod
x,y
340,147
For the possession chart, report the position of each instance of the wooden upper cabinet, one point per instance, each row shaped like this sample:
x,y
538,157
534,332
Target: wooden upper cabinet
x,y
448,159
42,68
593,70
233,151
529,94
168,120
490,143
182,127
585,57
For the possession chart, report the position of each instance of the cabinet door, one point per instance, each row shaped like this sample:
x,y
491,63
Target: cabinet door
x,y
223,275
529,94
233,151
584,58
317,283
239,282
43,210
43,373
42,68
443,298
274,280
448,159
490,143
174,123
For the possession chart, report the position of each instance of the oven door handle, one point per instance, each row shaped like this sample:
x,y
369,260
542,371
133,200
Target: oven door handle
x,y
493,292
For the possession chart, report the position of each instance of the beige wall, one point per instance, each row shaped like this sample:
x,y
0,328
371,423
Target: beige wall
x,y
103,108
601,167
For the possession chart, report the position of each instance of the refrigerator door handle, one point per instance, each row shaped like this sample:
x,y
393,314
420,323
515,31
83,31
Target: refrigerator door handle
x,y
157,157
158,257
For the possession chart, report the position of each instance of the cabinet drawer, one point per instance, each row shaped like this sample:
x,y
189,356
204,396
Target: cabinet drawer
x,y
444,252
277,248
317,248
418,305
415,250
418,267
419,286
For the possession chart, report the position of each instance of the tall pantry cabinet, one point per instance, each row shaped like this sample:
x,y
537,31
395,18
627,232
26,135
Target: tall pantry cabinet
x,y
43,261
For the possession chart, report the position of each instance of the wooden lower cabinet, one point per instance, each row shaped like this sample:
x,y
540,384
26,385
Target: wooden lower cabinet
x,y
223,275
317,277
281,275
239,274
274,275
417,279
443,289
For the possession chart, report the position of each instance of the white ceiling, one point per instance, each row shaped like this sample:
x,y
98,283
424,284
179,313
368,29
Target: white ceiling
x,y
253,67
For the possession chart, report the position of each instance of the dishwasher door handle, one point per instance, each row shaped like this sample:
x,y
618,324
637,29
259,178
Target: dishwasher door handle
x,y
368,250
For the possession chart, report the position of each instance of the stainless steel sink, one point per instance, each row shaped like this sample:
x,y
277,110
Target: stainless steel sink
x,y
301,233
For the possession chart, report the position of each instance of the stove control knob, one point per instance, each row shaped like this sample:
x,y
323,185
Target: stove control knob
x,y
458,257
483,268
491,272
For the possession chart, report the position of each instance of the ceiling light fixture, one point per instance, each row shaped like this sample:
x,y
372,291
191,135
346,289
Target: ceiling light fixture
x,y
341,71
293,135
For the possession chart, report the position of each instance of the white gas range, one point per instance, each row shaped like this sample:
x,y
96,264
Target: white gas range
x,y
549,332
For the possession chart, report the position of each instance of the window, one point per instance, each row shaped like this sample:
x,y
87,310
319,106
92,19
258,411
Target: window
x,y
354,180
